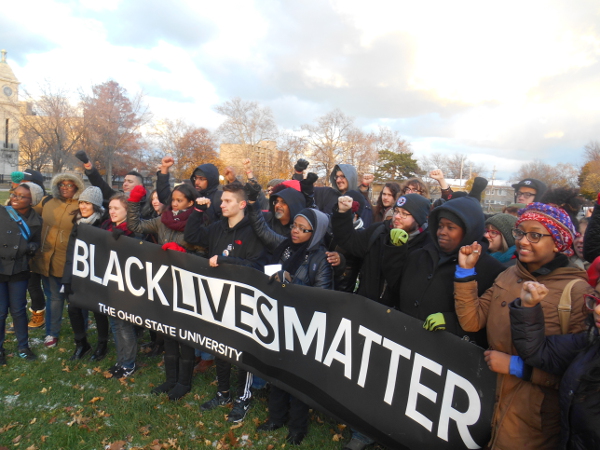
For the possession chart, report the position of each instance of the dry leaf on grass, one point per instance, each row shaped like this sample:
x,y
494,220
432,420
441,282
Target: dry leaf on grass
x,y
32,421
119,445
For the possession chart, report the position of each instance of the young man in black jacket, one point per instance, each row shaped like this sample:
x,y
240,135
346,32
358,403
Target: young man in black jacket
x,y
229,241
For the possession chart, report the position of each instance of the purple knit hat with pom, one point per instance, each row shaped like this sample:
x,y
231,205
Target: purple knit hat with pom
x,y
555,220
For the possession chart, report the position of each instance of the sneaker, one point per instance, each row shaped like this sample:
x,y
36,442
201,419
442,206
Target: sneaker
x,y
218,400
124,372
10,330
239,411
37,318
2,358
50,341
27,354
113,370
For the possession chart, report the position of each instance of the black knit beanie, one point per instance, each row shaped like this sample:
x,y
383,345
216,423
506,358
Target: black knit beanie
x,y
415,204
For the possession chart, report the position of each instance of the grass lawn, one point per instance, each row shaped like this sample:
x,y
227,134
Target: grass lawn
x,y
54,403
3,197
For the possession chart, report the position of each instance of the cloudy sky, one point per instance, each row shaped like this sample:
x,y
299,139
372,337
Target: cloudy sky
x,y
504,82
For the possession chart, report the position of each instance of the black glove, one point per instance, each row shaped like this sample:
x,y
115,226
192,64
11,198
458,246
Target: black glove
x,y
252,189
202,208
301,165
117,233
67,289
479,185
32,247
82,156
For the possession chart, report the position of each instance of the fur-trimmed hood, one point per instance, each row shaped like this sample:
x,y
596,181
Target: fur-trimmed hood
x,y
64,177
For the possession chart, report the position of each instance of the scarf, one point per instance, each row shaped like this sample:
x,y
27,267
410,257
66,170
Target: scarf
x,y
175,220
506,256
110,226
290,255
91,219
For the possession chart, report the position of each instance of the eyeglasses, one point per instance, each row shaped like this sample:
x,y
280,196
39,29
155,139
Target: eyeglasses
x,y
194,178
409,190
66,185
493,233
337,177
403,214
301,230
591,301
532,236
19,197
527,195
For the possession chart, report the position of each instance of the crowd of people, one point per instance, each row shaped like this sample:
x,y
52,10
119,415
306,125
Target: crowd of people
x,y
520,283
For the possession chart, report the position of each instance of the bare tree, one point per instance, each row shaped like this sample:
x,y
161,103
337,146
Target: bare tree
x,y
51,129
113,123
456,166
592,151
561,175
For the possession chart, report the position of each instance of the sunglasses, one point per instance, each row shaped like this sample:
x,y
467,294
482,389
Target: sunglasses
x,y
591,301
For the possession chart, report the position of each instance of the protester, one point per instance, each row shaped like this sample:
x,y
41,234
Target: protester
x,y
21,227
542,234
179,358
385,201
230,240
573,357
154,207
498,232
529,190
49,262
124,332
343,177
91,213
591,239
284,204
513,209
578,259
415,186
446,190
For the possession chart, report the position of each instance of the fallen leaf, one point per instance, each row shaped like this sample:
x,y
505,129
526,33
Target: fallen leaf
x,y
237,425
96,399
66,369
43,391
52,420
31,447
62,350
119,445
337,437
97,369
17,439
34,420
145,430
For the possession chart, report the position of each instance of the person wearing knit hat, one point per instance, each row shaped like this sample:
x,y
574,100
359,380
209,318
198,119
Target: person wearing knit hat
x,y
36,192
416,205
93,195
498,232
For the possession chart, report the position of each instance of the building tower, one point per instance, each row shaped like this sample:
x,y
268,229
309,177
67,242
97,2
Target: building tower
x,y
9,118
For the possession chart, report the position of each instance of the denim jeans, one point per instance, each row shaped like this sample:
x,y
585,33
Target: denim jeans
x,y
13,295
55,302
125,341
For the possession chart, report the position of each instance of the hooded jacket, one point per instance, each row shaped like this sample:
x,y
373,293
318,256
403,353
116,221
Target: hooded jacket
x,y
315,270
56,228
295,202
571,356
526,414
426,285
211,192
15,250
326,197
96,179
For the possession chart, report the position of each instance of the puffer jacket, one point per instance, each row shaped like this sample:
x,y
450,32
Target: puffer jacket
x,y
314,270
526,413
15,250
572,356
56,229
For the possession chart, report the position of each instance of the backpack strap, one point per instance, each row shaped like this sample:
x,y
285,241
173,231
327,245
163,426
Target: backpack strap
x,y
564,306
375,235
46,199
20,222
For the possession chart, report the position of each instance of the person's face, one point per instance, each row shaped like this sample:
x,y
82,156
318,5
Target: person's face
x,y
156,204
526,195
341,181
404,220
413,189
129,182
494,237
449,235
86,209
578,242
67,188
301,230
230,205
20,199
282,211
179,202
117,211
200,183
387,198
538,254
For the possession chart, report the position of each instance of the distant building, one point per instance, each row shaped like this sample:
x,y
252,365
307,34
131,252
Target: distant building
x,y
497,195
9,118
266,159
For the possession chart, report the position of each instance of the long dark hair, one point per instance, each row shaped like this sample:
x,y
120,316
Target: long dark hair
x,y
188,192
379,208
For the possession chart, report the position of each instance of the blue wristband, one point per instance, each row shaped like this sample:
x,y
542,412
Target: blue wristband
x,y
516,366
464,273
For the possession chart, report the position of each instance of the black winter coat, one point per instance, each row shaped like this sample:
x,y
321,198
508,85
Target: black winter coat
x,y
15,250
591,240
382,262
237,245
571,356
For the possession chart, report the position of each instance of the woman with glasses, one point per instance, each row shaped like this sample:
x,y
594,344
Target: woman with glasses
x,y
498,232
526,413
20,227
573,357
415,186
50,261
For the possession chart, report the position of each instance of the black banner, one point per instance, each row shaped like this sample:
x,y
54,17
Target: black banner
x,y
373,368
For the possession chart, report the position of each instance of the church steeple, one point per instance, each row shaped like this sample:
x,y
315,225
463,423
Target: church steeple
x,y
6,73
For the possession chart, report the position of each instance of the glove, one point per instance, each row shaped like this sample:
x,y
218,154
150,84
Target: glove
x,y
82,156
435,322
117,233
32,247
301,165
202,208
17,177
252,189
137,194
67,289
479,185
398,237
173,246
307,186
594,272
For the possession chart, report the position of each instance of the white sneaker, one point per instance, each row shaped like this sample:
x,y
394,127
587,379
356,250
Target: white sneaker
x,y
50,341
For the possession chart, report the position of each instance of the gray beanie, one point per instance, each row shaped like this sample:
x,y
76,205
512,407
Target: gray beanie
x,y
504,223
415,204
92,195
36,192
